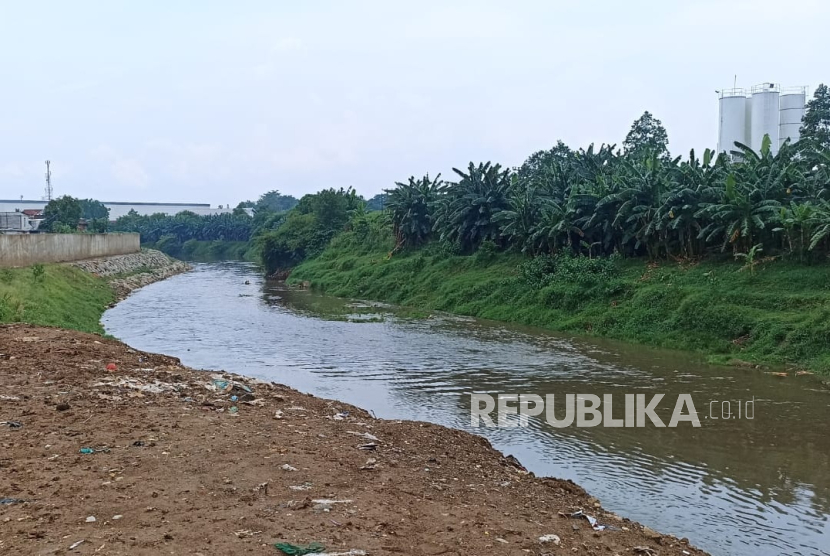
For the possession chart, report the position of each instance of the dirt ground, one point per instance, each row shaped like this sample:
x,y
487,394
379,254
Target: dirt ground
x,y
175,470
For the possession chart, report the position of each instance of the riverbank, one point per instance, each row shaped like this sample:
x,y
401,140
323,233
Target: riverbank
x,y
75,295
771,314
176,469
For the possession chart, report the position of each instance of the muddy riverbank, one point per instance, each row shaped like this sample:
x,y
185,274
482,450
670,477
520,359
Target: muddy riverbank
x,y
175,469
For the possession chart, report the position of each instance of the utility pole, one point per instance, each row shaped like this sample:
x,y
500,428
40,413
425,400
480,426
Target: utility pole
x,y
48,182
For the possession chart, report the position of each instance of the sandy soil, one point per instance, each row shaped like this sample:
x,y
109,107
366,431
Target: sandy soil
x,y
176,471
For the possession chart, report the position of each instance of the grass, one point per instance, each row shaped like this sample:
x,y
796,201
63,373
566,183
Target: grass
x,y
777,315
54,295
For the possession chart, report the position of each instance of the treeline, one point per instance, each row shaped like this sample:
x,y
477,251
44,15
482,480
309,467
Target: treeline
x,y
186,226
635,201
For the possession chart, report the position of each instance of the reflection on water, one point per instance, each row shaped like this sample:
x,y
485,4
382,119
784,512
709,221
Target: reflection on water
x,y
743,487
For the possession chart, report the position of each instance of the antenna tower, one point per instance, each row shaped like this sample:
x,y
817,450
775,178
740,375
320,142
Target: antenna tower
x,y
48,182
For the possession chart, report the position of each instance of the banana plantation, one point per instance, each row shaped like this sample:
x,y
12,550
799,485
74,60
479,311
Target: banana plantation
x,y
635,202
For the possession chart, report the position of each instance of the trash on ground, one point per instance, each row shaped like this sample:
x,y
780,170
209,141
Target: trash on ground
x,y
9,398
645,550
154,387
233,409
365,435
278,414
10,501
73,546
91,519
544,539
286,467
370,446
304,486
299,549
12,424
112,367
592,520
93,450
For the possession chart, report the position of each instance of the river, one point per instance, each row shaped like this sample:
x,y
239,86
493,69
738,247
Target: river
x,y
736,486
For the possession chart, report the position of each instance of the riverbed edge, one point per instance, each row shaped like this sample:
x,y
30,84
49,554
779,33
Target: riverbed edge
x,y
413,452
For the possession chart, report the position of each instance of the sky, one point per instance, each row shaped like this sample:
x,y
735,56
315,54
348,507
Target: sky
x,y
218,102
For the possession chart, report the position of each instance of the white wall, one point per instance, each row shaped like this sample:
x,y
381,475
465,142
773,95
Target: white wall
x,y
120,209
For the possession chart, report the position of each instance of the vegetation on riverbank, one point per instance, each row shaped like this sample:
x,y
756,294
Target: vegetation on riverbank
x,y
204,251
775,312
54,295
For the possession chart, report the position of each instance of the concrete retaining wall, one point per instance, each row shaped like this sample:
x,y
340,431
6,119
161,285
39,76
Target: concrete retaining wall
x,y
28,249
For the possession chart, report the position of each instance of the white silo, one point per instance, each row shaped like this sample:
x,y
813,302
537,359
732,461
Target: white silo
x,y
792,103
764,116
732,122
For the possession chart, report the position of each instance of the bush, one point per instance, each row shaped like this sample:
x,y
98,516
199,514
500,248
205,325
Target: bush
x,y
542,270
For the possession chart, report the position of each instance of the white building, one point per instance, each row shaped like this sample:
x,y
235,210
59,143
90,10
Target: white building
x,y
766,109
118,208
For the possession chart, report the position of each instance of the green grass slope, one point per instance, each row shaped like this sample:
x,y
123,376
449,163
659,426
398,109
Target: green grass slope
x,y
54,295
779,314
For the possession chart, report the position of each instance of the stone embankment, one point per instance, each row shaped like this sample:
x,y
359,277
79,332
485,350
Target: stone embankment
x,y
127,273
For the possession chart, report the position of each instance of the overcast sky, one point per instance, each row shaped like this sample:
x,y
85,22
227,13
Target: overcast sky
x,y
220,101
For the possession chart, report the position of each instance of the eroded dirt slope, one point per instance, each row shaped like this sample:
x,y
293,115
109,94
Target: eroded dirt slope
x,y
175,470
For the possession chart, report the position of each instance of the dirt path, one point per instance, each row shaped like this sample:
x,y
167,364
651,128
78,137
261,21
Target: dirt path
x,y
176,471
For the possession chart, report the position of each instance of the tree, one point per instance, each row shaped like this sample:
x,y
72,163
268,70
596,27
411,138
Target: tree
x,y
275,202
411,207
378,202
94,210
62,213
465,215
816,122
647,135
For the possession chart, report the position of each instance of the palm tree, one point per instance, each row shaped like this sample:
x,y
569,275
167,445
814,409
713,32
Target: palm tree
x,y
411,207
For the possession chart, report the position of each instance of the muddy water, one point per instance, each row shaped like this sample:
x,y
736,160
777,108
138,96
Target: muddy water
x,y
733,486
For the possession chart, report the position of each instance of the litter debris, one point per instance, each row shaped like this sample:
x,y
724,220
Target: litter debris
x,y
73,546
117,517
244,533
592,520
286,467
304,486
10,501
233,409
234,388
298,549
370,446
545,539
12,424
112,367
91,519
9,398
645,550
278,414
365,435
154,387
93,450
139,444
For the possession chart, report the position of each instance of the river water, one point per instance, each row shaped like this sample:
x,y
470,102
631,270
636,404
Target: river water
x,y
736,486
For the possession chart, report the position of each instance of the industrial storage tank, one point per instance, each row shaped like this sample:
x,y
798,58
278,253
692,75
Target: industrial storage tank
x,y
765,117
732,119
792,103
